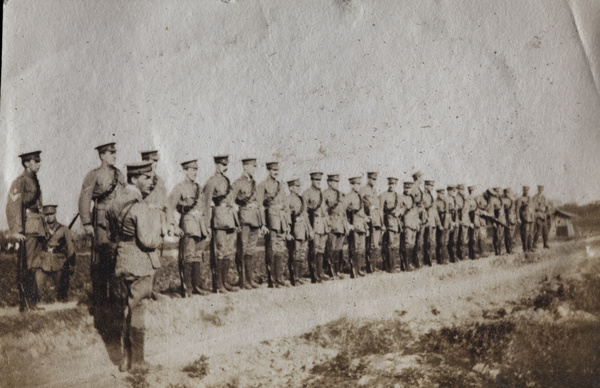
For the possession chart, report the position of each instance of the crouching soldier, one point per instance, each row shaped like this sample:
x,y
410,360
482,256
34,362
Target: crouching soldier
x,y
301,231
137,229
59,257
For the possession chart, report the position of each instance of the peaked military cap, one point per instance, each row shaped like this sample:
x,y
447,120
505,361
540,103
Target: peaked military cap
x,y
540,186
525,187
221,159
333,177
392,180
354,180
471,188
26,157
372,175
460,186
249,161
272,165
190,164
49,209
429,182
417,175
440,190
150,155
451,187
294,182
497,189
139,168
106,147
316,176
408,184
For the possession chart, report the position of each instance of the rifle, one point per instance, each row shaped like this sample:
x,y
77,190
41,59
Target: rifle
x,y
22,271
493,219
181,266
213,254
268,255
73,220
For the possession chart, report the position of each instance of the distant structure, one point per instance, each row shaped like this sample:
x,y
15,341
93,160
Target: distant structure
x,y
562,224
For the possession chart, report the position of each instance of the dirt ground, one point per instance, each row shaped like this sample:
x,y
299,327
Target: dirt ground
x,y
511,321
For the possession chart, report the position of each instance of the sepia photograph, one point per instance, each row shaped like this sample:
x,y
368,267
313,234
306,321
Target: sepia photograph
x,y
319,193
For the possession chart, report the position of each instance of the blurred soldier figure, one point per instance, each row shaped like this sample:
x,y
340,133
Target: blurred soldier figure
x,y
482,205
375,219
357,219
272,196
496,210
338,225
443,231
137,228
526,214
318,217
301,231
417,195
542,217
59,260
99,188
462,227
454,224
194,232
410,225
390,204
471,211
432,224
224,225
509,203
252,222
158,195
26,222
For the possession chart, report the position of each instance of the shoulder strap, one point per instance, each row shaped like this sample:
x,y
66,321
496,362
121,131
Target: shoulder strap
x,y
128,205
112,187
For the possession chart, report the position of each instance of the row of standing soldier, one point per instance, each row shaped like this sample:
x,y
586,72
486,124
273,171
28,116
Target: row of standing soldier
x,y
383,231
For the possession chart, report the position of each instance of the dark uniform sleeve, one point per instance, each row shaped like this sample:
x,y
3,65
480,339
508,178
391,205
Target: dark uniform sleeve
x,y
14,207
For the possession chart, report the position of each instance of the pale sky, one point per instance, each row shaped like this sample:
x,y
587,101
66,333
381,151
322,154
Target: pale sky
x,y
495,93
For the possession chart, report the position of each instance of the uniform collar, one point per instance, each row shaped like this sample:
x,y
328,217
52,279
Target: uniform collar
x,y
134,190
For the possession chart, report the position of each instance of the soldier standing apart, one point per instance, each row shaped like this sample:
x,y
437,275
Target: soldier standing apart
x,y
137,229
454,224
224,224
375,219
194,232
272,196
390,204
509,204
99,188
26,222
443,231
410,225
357,219
471,211
433,223
462,225
526,213
317,215
338,226
59,262
541,217
417,195
252,223
302,232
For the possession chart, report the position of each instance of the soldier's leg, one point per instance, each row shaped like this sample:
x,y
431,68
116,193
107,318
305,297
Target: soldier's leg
x,y
450,244
320,242
33,248
359,254
140,288
536,232
45,282
249,243
417,255
530,226
227,255
376,258
508,239
300,255
444,248
464,242
409,246
394,252
458,246
545,234
281,259
62,287
199,273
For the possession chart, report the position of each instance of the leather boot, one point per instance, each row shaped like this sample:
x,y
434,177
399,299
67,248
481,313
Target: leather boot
x,y
298,269
249,267
225,275
319,268
197,279
138,363
219,277
187,278
281,261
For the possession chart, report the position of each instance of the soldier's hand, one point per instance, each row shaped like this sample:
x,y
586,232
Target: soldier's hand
x,y
264,230
89,230
383,229
311,235
18,237
288,236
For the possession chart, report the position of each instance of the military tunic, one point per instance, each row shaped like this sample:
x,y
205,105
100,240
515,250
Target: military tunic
x,y
471,220
224,219
389,202
411,223
496,209
338,221
462,229
319,219
443,231
541,219
417,195
355,211
373,211
59,258
430,227
511,220
301,231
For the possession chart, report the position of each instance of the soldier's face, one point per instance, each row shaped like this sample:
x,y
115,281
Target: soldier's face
x,y
391,186
540,189
250,169
429,187
316,183
356,186
372,181
406,190
34,165
333,184
274,173
525,191
109,157
295,189
51,218
144,184
222,168
191,173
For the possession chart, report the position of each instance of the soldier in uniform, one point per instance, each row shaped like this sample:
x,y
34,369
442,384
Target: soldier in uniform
x,y
302,232
541,217
443,231
454,222
318,217
496,211
526,214
432,224
194,232
390,204
99,188
252,223
271,194
509,203
158,196
59,260
417,195
411,222
357,219
375,219
462,227
471,211
224,224
338,226
26,222
482,204
137,229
